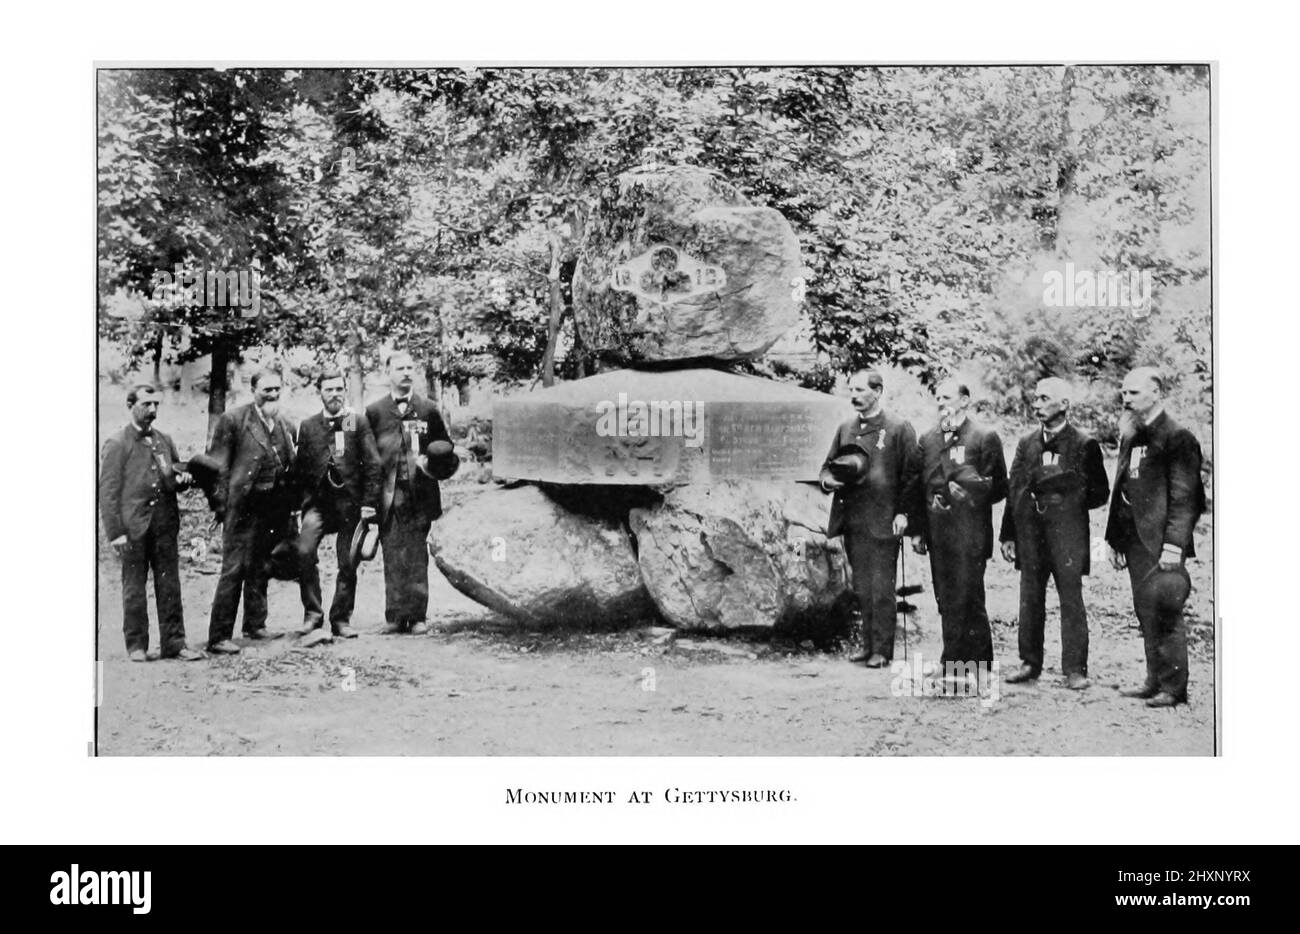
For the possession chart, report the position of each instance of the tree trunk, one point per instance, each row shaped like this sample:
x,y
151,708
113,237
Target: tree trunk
x,y
557,311
1066,160
356,376
157,357
218,384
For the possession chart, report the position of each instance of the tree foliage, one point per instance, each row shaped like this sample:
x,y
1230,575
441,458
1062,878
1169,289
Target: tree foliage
x,y
440,208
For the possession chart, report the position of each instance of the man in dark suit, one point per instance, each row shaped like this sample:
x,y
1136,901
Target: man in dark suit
x,y
137,501
872,511
337,470
1157,499
963,473
253,444
404,425
1057,475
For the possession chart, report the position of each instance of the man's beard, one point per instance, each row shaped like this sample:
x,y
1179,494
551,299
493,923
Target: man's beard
x,y
334,406
270,407
1130,423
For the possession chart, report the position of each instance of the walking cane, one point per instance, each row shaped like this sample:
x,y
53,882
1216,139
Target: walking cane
x,y
903,591
898,604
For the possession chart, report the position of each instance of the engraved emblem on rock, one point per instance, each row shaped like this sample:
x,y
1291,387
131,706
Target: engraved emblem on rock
x,y
663,275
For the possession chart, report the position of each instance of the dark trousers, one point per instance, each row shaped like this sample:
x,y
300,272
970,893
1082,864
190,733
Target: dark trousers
x,y
873,561
156,550
248,536
958,575
1164,635
1059,556
315,526
404,539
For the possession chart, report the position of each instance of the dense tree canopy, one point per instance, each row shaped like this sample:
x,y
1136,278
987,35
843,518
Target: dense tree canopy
x,y
440,208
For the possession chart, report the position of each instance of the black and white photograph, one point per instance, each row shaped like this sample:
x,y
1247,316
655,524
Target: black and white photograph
x,y
671,410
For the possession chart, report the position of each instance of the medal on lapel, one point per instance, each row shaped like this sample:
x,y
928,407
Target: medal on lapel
x,y
1051,459
338,442
959,454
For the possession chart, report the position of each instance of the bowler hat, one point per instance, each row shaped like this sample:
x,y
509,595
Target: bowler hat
x,y
334,477
966,477
1053,478
1168,590
850,464
284,561
205,470
365,542
441,459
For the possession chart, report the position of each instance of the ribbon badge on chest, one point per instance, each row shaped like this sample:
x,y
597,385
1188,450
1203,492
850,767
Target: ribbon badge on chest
x,y
1135,459
959,453
1051,459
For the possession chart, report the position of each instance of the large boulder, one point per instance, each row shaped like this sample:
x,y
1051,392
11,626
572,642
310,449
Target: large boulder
x,y
743,554
519,552
675,264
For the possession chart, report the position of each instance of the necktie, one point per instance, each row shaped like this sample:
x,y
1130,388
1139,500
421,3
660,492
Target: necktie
x,y
334,424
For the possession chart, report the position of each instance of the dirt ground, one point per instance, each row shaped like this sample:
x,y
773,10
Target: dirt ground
x,y
476,686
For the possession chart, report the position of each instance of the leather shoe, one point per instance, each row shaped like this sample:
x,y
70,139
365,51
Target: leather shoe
x,y
419,629
186,654
344,631
1026,673
316,637
859,658
393,629
137,655
224,647
1145,692
1076,681
259,635
876,661
1163,699
309,624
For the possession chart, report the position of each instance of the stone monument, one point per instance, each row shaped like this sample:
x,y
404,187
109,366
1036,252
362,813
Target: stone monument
x,y
678,278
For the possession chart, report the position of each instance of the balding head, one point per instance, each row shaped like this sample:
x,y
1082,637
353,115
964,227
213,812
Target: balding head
x,y
1142,391
954,399
1052,402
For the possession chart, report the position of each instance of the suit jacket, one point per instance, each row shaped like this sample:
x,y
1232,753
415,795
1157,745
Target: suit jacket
x,y
890,486
1160,505
979,447
393,440
136,478
1063,518
357,464
242,446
